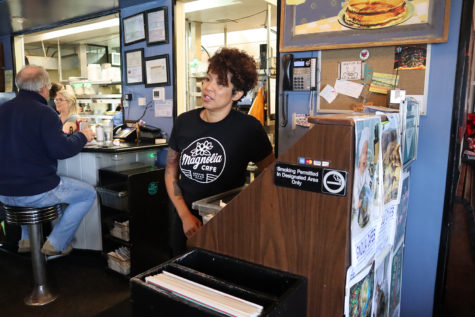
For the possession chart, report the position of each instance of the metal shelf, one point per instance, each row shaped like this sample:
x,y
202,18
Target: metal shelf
x,y
112,98
100,82
102,96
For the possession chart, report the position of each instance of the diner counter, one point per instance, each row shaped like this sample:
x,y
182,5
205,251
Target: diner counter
x,y
122,147
85,167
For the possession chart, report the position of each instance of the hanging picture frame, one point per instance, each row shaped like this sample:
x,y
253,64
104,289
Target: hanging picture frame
x,y
157,71
156,22
307,26
134,69
133,28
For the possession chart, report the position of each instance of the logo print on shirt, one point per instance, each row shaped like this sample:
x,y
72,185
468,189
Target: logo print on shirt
x,y
203,160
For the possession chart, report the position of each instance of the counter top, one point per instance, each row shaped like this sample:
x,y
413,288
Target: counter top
x,y
122,147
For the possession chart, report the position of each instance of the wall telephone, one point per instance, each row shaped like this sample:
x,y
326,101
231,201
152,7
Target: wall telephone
x,y
299,73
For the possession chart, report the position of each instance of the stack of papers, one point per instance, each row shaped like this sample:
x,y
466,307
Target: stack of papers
x,y
204,296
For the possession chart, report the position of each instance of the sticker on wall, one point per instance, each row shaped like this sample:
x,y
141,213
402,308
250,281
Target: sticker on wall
x,y
364,54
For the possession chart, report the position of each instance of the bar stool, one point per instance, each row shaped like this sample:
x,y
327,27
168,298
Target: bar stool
x,y
34,218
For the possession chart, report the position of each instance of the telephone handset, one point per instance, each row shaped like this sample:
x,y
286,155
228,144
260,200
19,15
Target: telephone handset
x,y
287,67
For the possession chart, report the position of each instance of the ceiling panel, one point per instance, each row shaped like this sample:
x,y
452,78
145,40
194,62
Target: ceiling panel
x,y
246,15
37,14
25,15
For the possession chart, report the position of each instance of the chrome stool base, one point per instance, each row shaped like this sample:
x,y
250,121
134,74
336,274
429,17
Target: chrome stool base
x,y
33,218
40,296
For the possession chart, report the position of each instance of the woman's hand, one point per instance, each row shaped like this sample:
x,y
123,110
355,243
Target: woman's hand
x,y
191,225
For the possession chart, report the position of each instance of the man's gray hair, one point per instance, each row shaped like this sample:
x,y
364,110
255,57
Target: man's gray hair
x,y
32,78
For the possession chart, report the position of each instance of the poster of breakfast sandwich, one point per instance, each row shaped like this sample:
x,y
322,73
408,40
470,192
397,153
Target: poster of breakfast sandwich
x,y
358,14
335,24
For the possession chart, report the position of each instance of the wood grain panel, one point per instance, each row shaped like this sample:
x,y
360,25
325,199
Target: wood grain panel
x,y
301,232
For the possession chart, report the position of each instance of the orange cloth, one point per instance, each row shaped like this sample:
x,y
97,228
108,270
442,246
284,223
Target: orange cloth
x,y
257,108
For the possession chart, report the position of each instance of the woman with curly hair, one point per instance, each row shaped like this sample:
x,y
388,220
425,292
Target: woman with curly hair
x,y
210,147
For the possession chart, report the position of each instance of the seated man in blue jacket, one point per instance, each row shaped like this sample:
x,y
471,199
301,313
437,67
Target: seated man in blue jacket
x,y
31,143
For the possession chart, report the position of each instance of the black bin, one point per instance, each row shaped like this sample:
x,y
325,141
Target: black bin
x,y
280,293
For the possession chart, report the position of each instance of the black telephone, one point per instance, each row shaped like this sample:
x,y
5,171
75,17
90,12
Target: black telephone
x,y
299,73
128,134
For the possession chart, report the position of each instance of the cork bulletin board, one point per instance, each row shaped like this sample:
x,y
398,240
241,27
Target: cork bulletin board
x,y
381,60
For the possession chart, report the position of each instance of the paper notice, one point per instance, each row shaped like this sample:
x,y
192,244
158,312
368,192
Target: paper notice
x,y
348,88
163,108
352,70
328,93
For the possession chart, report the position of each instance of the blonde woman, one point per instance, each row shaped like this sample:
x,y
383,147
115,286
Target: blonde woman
x,y
67,107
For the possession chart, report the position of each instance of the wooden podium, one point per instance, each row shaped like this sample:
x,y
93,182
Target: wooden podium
x,y
302,232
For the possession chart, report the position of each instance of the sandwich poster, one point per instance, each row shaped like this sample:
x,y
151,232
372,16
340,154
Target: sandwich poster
x,y
333,24
358,14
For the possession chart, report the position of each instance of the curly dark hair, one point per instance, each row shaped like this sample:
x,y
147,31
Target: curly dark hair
x,y
239,64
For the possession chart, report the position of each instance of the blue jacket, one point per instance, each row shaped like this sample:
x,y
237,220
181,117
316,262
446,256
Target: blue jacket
x,y
31,142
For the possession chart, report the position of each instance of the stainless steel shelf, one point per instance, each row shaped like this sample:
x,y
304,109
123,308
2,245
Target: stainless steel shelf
x,y
100,82
102,96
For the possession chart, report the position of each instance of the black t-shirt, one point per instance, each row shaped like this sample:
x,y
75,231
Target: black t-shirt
x,y
214,156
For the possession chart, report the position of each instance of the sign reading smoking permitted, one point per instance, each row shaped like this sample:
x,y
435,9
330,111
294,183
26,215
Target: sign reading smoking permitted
x,y
310,178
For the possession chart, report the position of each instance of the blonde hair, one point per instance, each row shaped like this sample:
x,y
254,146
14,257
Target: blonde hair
x,y
71,98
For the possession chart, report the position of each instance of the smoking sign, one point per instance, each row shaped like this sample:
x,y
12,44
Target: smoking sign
x,y
310,178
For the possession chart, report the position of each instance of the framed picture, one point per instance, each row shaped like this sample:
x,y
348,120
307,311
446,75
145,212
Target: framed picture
x,y
338,24
134,69
157,71
156,21
133,29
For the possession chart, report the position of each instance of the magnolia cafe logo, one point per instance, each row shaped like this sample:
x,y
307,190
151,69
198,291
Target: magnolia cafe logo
x,y
203,160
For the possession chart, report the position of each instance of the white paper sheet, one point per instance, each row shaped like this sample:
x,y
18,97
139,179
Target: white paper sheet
x,y
328,93
348,88
163,108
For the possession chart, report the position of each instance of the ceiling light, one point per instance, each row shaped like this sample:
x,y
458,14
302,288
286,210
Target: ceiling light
x,y
207,4
73,30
